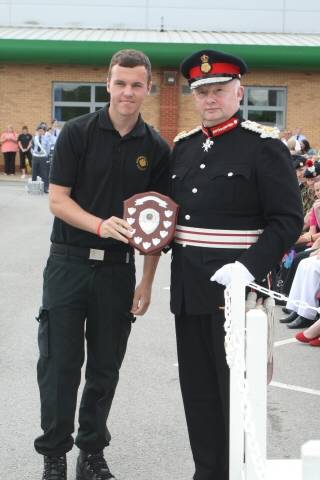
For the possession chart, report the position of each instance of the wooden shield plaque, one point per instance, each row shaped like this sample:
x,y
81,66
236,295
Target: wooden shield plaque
x,y
153,218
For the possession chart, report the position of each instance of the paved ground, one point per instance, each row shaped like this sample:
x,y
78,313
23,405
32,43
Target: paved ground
x,y
147,422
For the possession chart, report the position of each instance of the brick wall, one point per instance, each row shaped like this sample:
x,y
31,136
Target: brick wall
x,y
169,106
26,97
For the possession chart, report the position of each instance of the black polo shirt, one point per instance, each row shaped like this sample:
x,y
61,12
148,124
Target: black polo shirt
x,y
103,169
25,139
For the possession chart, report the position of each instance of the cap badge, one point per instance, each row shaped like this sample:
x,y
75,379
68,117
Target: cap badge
x,y
142,163
205,65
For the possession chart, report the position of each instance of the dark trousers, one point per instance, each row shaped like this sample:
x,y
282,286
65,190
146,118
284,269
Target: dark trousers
x,y
89,300
204,381
9,162
40,168
23,156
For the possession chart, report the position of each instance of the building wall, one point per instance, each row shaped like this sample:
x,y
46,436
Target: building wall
x,y
291,16
26,98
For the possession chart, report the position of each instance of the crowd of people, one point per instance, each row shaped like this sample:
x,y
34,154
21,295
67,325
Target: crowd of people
x,y
35,151
299,272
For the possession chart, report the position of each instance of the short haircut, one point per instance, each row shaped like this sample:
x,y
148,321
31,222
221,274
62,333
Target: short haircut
x,y
24,127
130,59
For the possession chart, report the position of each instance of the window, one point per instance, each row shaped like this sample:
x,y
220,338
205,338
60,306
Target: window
x,y
265,105
73,99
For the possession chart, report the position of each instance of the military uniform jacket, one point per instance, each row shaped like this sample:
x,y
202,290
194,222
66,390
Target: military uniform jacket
x,y
242,182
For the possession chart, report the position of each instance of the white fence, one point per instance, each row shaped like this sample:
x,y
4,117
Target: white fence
x,y
246,347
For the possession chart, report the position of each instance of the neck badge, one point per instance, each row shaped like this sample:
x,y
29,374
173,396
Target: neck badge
x,y
207,144
216,131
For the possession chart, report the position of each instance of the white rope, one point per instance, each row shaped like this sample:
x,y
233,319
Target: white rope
x,y
281,297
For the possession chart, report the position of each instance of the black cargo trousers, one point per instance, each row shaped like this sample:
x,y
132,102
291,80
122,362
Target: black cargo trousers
x,y
81,299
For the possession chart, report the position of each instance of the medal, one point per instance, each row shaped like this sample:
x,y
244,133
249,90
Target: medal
x,y
207,144
216,131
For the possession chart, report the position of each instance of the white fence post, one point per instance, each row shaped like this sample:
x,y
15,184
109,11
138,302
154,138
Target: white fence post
x,y
310,453
247,345
236,449
256,372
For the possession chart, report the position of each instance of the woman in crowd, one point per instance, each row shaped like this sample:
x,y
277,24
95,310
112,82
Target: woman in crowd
x,y
306,148
9,148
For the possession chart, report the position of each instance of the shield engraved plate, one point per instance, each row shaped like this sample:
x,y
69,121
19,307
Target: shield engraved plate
x,y
153,217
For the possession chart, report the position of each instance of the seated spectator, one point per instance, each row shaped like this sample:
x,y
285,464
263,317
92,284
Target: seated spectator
x,y
313,234
305,148
305,287
307,242
293,145
299,163
9,148
307,195
25,144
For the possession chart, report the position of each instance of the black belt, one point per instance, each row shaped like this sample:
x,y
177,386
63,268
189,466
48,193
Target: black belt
x,y
106,256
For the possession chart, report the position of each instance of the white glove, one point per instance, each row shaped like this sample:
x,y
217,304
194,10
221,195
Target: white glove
x,y
225,273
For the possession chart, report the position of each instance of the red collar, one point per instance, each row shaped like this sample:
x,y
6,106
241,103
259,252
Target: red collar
x,y
221,128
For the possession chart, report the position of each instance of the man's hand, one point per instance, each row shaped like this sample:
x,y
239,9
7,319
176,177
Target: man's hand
x,y
225,273
117,228
141,299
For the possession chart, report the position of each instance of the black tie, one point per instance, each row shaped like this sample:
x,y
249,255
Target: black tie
x,y
39,146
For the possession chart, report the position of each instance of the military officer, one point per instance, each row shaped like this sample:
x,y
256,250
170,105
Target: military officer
x,y
239,204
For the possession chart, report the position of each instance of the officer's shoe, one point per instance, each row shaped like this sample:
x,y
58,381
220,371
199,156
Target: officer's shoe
x,y
55,468
92,466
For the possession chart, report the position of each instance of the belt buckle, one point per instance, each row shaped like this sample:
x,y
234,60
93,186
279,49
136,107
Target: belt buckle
x,y
96,254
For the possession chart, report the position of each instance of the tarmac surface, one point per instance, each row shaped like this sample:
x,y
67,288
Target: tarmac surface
x,y
149,437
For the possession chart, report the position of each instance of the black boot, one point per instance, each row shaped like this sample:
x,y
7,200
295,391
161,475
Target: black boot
x,y
92,466
55,468
289,318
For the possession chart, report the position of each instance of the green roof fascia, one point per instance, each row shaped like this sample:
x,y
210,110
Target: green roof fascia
x,y
161,54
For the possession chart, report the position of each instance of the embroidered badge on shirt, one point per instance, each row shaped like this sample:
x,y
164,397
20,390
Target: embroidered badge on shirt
x,y
142,163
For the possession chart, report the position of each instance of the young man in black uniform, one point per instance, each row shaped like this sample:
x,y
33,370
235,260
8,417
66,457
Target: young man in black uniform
x,y
89,290
239,202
